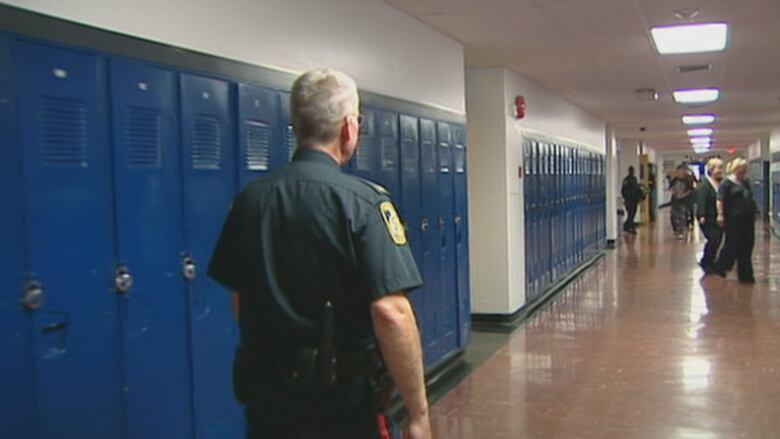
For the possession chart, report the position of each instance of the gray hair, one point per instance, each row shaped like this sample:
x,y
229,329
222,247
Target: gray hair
x,y
713,163
320,100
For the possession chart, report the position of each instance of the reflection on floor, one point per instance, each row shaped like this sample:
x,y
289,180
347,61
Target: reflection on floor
x,y
640,346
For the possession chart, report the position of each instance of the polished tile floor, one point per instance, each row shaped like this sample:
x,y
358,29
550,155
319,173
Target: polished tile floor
x,y
640,346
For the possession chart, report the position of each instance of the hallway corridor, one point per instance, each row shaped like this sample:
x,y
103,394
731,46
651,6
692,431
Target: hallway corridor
x,y
640,346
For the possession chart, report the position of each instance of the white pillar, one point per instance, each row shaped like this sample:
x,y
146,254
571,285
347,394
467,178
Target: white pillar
x,y
613,182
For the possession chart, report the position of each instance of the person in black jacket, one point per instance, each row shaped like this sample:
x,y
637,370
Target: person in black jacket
x,y
707,213
632,195
737,213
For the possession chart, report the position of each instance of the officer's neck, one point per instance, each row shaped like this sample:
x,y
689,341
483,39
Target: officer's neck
x,y
333,150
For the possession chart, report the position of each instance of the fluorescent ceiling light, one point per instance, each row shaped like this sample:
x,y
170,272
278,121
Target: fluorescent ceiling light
x,y
698,119
705,139
700,132
690,38
696,95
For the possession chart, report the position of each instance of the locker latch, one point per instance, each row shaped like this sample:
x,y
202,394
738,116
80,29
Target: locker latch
x,y
457,219
123,280
33,296
424,224
188,268
441,222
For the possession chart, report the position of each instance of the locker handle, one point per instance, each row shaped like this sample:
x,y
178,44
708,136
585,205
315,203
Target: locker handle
x,y
53,327
33,296
424,225
189,270
123,280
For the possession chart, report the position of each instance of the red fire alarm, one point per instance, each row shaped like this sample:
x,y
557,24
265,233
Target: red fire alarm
x,y
731,150
519,107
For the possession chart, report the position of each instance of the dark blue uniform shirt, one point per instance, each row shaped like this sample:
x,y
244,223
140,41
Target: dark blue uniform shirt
x,y
293,239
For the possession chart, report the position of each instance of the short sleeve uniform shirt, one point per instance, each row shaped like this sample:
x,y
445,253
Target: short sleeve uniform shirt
x,y
306,234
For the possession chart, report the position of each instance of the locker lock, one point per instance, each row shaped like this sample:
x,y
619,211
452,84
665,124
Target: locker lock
x,y
123,280
424,224
188,268
457,219
441,222
32,298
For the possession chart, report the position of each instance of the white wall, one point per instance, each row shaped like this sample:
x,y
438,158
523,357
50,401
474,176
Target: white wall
x,y
488,227
774,141
385,50
496,140
613,184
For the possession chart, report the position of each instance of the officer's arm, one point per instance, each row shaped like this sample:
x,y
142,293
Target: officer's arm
x,y
235,301
399,340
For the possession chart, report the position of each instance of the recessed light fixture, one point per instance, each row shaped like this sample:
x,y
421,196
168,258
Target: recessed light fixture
x,y
696,95
698,119
690,38
700,132
701,140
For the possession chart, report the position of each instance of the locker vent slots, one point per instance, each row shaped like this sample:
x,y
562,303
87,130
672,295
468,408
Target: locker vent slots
x,y
143,138
63,128
206,143
258,145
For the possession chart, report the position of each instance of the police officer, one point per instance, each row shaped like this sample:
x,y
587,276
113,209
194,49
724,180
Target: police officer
x,y
707,214
319,266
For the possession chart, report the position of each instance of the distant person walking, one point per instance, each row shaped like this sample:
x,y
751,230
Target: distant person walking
x,y
632,194
707,213
681,186
737,214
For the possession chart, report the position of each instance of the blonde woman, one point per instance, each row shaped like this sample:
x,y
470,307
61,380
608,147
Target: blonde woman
x,y
737,215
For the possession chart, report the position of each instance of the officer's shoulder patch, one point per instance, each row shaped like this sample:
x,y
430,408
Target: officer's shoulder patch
x,y
378,188
393,222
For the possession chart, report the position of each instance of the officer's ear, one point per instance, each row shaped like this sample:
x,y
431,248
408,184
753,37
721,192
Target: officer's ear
x,y
349,129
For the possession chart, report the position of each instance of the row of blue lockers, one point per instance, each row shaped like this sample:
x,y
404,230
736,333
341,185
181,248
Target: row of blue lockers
x,y
115,179
761,181
565,211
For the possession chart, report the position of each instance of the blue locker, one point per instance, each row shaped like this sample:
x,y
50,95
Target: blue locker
x,y
17,399
149,244
460,165
209,176
387,170
69,240
259,130
431,240
364,161
290,142
527,212
410,200
448,269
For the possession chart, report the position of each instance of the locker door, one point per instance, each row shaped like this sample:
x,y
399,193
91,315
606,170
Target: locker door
x,y
365,158
149,245
258,131
387,172
431,241
69,240
209,176
410,201
444,221
290,142
17,399
460,164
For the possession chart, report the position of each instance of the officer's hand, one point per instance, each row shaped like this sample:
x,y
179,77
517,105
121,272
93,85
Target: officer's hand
x,y
419,428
